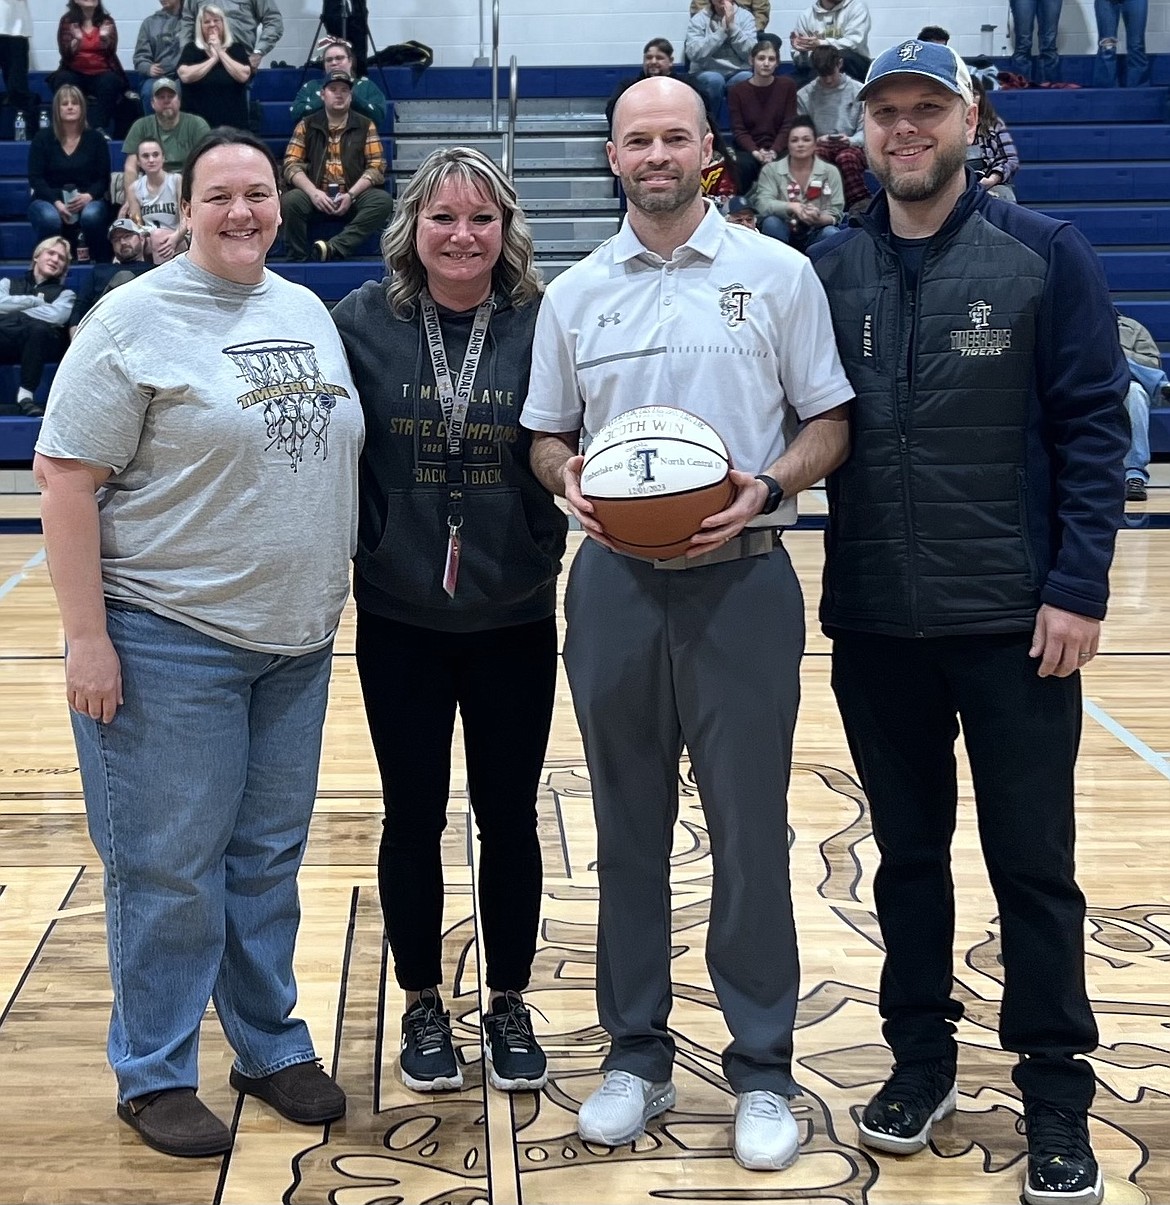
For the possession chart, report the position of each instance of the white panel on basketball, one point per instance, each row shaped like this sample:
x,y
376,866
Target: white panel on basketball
x,y
653,451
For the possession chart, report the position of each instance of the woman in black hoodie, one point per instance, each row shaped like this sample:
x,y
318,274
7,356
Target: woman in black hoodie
x,y
459,548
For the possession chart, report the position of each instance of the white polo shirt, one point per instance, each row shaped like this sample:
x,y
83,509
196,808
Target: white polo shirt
x,y
735,328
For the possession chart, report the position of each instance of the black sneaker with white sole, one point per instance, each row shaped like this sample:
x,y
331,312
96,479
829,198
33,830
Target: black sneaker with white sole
x,y
428,1062
1062,1169
515,1060
900,1116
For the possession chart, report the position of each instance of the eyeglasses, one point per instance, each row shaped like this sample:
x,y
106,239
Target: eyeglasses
x,y
926,114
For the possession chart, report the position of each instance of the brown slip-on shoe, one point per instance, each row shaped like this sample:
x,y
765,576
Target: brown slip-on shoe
x,y
177,1122
302,1092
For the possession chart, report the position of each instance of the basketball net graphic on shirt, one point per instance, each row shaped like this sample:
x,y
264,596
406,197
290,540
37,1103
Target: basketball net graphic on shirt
x,y
297,400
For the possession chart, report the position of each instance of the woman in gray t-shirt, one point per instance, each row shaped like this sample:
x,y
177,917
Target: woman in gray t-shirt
x,y
198,469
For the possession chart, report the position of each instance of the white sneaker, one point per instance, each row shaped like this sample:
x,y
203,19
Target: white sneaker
x,y
617,1112
766,1136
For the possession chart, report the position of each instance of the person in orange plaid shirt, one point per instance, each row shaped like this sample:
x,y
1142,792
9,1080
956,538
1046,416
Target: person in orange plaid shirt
x,y
334,165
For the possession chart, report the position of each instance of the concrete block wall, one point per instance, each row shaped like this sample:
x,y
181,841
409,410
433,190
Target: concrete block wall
x,y
555,32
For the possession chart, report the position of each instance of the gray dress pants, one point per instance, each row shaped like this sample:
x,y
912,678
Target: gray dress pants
x,y
708,657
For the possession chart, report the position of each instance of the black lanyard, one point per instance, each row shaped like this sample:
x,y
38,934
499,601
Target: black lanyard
x,y
455,401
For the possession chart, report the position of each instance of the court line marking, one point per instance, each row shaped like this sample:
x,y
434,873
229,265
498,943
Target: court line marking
x,y
32,563
1128,739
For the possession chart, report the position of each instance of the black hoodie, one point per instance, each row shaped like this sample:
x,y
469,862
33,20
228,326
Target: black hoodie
x,y
513,535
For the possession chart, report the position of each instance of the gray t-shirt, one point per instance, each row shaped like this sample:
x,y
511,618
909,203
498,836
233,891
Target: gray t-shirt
x,y
230,420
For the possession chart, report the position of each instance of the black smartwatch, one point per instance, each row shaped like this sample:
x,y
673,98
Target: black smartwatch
x,y
775,493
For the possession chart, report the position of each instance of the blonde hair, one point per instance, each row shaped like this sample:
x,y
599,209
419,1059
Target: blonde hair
x,y
64,93
227,26
514,272
49,242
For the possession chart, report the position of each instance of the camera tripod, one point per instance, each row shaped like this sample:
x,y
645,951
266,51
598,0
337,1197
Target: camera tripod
x,y
347,19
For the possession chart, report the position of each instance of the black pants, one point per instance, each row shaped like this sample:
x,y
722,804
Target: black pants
x,y
30,343
352,25
901,701
503,681
14,64
101,91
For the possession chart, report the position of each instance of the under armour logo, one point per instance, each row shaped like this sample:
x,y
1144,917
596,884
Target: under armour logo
x,y
604,320
908,51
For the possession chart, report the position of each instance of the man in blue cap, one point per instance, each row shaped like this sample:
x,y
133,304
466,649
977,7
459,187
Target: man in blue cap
x,y
967,573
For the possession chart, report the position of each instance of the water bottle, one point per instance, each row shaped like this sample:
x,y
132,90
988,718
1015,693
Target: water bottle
x,y
82,248
19,129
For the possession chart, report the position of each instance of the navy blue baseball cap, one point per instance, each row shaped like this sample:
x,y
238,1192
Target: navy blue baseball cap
x,y
928,60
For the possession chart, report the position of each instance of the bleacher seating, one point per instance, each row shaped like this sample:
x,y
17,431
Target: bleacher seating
x,y
1098,158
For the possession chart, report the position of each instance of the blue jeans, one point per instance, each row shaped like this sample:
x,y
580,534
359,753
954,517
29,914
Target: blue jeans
x,y
198,795
1144,387
713,87
1045,14
802,239
1137,65
94,220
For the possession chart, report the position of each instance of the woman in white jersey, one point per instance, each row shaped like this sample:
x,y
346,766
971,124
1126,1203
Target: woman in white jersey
x,y
154,202
198,466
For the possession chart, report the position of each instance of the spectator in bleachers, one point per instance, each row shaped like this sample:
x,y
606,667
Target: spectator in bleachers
x,y
992,156
338,55
69,175
762,109
718,178
88,41
831,101
334,165
156,53
657,59
842,24
760,10
1147,386
154,203
1110,14
1044,15
741,212
719,44
15,33
256,24
176,132
800,198
349,21
34,309
215,70
128,241
934,33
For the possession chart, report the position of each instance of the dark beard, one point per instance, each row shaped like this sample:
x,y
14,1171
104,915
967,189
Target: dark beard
x,y
948,162
686,189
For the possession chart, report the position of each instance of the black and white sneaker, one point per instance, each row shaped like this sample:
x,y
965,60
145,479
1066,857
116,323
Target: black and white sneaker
x,y
1061,1165
900,1116
428,1062
515,1060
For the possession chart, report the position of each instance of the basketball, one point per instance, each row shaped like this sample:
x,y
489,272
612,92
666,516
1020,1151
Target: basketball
x,y
653,475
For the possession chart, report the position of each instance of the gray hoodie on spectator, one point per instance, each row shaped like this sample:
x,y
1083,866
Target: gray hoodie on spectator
x,y
159,41
711,46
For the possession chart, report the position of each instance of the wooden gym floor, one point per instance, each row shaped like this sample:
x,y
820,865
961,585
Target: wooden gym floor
x,y
61,1142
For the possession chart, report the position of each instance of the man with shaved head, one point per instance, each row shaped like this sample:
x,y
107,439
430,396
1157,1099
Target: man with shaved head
x,y
681,309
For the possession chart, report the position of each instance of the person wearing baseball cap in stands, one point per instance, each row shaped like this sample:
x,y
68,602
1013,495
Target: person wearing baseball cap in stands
x,y
334,164
128,240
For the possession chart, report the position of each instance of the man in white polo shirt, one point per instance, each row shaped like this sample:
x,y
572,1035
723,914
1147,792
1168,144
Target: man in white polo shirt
x,y
704,650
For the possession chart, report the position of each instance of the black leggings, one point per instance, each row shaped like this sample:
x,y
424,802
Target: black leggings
x,y
503,682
